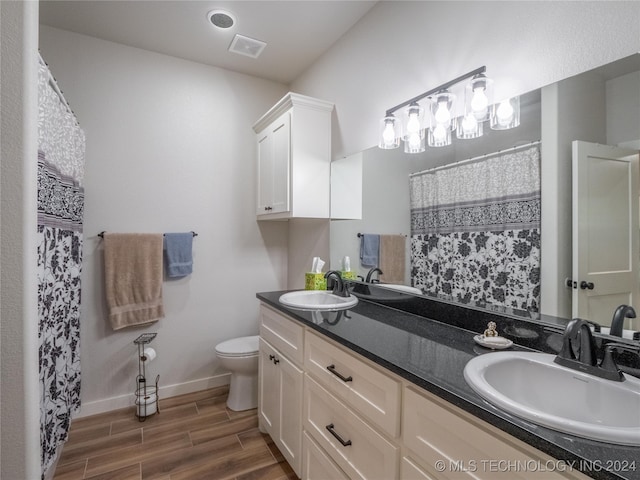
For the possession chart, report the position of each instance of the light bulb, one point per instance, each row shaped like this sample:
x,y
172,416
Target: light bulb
x,y
413,125
388,134
469,124
414,140
442,114
439,133
479,101
504,113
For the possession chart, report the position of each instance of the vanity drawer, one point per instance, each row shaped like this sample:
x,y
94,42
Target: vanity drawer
x,y
352,444
317,465
456,447
283,333
410,471
370,392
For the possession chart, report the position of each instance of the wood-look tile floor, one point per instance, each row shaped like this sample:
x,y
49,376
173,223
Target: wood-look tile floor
x,y
193,437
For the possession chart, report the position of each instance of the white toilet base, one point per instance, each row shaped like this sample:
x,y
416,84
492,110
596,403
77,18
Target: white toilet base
x,y
243,392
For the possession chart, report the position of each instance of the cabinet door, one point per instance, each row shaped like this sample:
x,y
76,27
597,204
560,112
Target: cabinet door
x,y
280,403
290,416
281,132
264,191
269,404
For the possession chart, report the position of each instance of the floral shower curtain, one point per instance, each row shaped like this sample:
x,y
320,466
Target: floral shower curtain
x,y
475,231
61,146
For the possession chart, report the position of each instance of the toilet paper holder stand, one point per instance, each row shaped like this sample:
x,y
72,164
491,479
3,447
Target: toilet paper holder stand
x,y
144,393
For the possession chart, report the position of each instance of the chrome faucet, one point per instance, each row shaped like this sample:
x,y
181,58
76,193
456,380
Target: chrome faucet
x,y
339,285
579,352
622,312
370,274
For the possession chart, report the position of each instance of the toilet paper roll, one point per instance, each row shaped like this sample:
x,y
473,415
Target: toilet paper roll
x,y
148,354
147,405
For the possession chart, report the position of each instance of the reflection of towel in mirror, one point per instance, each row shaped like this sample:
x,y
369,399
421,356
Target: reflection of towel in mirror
x,y
392,258
178,253
133,278
369,250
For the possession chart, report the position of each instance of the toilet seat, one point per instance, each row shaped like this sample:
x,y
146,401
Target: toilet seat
x,y
238,347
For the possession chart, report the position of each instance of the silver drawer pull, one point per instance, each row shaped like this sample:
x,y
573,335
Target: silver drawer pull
x,y
338,437
332,369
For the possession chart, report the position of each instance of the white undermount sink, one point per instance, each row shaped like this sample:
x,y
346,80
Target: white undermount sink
x,y
531,386
317,300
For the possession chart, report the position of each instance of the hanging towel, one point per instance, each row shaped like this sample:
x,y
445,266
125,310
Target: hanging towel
x,y
369,250
178,253
133,278
392,258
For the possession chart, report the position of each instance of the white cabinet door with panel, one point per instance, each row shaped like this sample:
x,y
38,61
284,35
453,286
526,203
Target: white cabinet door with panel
x,y
280,381
274,155
280,407
294,159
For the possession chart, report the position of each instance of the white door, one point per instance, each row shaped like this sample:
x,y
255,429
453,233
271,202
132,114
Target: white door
x,y
606,250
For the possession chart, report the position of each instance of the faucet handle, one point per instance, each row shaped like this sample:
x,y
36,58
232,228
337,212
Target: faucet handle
x,y
609,364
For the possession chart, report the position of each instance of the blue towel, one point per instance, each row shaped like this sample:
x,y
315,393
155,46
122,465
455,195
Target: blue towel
x,y
369,250
178,253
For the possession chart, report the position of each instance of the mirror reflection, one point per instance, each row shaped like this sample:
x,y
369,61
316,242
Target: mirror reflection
x,y
373,196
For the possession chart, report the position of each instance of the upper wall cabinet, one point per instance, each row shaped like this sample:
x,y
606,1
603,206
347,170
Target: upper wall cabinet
x,y
294,159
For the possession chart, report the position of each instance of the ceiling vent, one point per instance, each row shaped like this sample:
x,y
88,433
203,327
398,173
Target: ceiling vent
x,y
249,47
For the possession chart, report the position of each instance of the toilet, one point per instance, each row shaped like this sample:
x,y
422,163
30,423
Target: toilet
x,y
240,357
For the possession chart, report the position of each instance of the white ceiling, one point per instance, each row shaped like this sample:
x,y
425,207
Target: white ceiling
x,y
297,33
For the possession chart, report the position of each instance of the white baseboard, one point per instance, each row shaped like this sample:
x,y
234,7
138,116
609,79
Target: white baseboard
x,y
123,401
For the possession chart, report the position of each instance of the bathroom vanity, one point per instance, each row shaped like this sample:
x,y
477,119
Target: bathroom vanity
x,y
377,392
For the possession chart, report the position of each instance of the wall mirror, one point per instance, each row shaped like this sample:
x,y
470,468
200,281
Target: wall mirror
x,y
370,189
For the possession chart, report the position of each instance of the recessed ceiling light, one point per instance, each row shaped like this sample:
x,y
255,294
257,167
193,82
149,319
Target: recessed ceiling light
x,y
247,46
221,18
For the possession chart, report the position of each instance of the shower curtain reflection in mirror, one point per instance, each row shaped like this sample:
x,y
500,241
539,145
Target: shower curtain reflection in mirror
x,y
475,231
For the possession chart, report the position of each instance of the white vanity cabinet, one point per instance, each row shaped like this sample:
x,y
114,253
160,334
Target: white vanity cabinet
x,y
294,159
280,384
336,415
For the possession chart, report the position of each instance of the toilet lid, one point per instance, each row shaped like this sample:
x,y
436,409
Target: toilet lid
x,y
239,346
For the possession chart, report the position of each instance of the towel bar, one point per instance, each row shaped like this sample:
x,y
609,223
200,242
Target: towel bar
x,y
101,234
360,235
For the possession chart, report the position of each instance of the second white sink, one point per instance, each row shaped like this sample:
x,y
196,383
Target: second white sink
x,y
531,386
317,300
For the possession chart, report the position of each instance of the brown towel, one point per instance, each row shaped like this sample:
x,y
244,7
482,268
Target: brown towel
x,y
392,258
133,278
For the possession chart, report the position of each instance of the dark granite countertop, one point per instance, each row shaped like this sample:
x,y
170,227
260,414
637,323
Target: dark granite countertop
x,y
429,343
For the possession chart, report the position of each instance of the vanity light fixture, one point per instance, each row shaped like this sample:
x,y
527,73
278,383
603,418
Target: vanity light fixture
x,y
478,108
